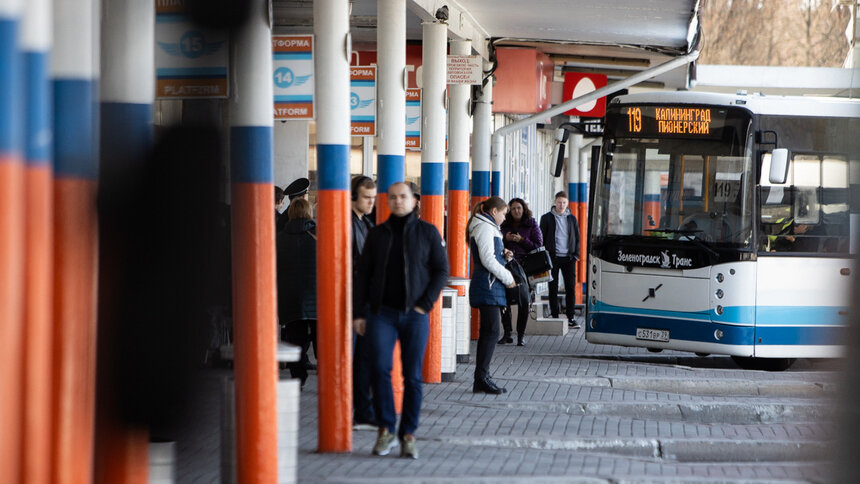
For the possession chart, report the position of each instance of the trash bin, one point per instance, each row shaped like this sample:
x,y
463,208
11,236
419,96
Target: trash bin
x,y
449,334
464,317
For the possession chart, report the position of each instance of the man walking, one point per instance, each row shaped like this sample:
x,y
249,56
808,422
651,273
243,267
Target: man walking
x,y
401,272
363,199
561,238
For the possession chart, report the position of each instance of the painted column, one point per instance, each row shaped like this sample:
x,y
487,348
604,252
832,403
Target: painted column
x,y
334,257
127,89
651,207
11,238
38,234
582,218
574,189
458,167
391,109
253,235
434,61
482,132
74,69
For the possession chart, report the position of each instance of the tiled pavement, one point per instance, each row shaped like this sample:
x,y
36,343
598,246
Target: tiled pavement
x,y
577,412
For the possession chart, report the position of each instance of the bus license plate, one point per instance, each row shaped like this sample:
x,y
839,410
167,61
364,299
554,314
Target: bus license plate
x,y
653,334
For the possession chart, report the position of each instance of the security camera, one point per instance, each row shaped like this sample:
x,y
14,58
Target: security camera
x,y
442,13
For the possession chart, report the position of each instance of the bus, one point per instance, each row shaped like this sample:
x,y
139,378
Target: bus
x,y
720,224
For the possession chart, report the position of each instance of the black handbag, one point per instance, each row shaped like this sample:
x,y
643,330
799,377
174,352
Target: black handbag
x,y
537,262
521,290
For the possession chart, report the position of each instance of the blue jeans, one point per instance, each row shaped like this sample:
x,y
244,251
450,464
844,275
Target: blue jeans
x,y
383,330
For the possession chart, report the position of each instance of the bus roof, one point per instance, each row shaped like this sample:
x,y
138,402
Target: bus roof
x,y
757,103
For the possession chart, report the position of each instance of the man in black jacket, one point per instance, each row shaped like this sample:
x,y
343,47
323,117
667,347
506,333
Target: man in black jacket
x,y
363,200
561,238
402,270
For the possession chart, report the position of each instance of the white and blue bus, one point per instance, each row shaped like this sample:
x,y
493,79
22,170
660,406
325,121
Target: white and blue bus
x,y
720,224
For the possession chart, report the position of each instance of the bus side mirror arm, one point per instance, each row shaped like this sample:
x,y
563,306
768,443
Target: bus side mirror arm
x,y
778,166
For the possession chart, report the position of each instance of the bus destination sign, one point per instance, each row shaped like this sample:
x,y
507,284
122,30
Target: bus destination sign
x,y
671,122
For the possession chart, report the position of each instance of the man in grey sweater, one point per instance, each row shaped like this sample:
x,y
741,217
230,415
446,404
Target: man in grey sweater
x,y
561,238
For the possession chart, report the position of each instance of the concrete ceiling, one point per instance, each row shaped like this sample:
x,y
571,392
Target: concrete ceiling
x,y
615,37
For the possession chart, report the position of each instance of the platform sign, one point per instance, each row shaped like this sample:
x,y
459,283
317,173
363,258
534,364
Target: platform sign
x,y
413,119
293,76
362,100
579,84
190,61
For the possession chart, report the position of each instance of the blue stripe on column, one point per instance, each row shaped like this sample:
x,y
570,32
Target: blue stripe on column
x,y
251,154
574,192
480,184
37,148
10,85
583,192
390,170
75,154
333,167
496,184
458,176
432,178
649,197
126,132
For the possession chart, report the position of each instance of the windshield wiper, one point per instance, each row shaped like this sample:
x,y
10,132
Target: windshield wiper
x,y
676,231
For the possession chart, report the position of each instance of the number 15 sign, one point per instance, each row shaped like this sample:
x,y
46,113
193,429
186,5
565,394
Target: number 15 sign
x,y
293,75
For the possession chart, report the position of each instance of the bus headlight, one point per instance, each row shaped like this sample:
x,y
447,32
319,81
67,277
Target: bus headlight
x,y
719,293
720,277
719,310
594,269
594,284
718,334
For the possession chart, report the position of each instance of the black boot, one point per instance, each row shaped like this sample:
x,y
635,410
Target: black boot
x,y
521,340
506,339
487,386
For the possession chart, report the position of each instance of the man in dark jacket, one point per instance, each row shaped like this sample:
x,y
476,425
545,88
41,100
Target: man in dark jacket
x,y
402,270
363,199
561,239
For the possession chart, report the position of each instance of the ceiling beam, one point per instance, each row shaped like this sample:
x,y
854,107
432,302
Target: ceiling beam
x,y
600,60
461,24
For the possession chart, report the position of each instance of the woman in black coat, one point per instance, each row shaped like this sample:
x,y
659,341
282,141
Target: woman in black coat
x,y
297,281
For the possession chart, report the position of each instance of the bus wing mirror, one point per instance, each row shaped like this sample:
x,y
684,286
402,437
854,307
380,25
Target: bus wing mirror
x,y
778,166
557,161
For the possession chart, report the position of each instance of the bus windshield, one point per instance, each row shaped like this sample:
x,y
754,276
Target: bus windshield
x,y
680,188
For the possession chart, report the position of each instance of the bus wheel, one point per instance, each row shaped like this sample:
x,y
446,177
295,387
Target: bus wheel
x,y
655,350
702,355
764,364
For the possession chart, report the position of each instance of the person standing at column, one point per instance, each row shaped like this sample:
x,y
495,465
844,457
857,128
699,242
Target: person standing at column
x,y
363,201
401,272
561,238
489,279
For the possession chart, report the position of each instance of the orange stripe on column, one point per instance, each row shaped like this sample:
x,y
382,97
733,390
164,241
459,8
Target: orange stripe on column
x,y
382,210
475,332
576,211
583,248
432,211
254,330
11,314
126,459
458,216
38,273
334,313
74,336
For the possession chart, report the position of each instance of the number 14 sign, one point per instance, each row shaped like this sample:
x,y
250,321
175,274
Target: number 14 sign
x,y
293,76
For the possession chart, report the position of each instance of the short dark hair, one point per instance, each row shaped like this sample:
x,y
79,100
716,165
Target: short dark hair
x,y
279,195
561,194
362,181
299,208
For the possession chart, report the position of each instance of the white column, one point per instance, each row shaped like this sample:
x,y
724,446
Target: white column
x,y
391,109
482,131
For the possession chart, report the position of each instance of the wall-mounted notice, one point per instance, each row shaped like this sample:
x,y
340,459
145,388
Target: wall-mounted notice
x,y
293,75
413,119
190,62
464,69
362,100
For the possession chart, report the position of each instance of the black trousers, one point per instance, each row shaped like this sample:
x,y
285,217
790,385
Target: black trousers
x,y
522,316
362,373
567,266
487,338
299,333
